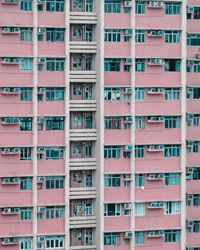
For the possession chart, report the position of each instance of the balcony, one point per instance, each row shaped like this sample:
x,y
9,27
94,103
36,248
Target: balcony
x,y
83,105
82,222
83,18
82,193
82,163
83,134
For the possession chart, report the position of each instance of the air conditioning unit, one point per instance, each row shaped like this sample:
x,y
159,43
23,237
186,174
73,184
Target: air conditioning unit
x,y
190,196
6,60
16,150
189,143
128,61
41,149
160,90
128,90
41,209
5,90
6,210
6,30
6,151
15,60
16,90
158,61
190,63
128,32
152,33
151,147
16,240
41,119
155,4
190,90
160,33
16,30
190,116
16,210
41,60
41,30
41,90
127,206
189,170
161,119
152,119
150,234
5,180
41,1
128,234
15,180
127,3
40,238
160,176
128,148
40,179
151,176
127,177
5,241
190,223
190,9
198,56
10,1
128,119
160,233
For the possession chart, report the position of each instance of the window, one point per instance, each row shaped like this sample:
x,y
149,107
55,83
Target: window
x,y
196,120
196,147
55,123
139,122
172,236
55,182
139,151
112,94
139,237
54,94
26,183
26,94
55,34
196,200
196,173
193,39
89,6
112,209
172,150
196,93
139,36
26,213
54,153
55,5
112,65
26,34
139,180
172,94
172,122
77,149
26,64
54,212
55,64
172,207
26,124
26,5
111,239
172,8
112,123
140,7
172,179
25,154
112,6
196,227
139,209
196,66
26,243
111,180
54,242
112,152
172,36
140,65
196,13
139,94
172,65
112,35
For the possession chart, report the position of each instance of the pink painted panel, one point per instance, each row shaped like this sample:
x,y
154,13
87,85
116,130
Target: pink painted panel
x,y
51,108
117,165
193,25
116,136
120,49
114,194
51,167
122,21
158,244
155,218
51,226
19,18
16,109
192,212
158,193
158,163
158,78
117,107
117,223
50,197
192,51
10,165
50,78
193,106
193,133
15,139
51,19
193,79
50,48
52,137
193,239
16,227
117,78
193,159
192,186
16,48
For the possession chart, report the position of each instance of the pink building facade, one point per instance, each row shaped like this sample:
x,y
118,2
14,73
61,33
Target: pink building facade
x,y
99,125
